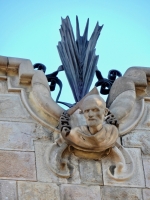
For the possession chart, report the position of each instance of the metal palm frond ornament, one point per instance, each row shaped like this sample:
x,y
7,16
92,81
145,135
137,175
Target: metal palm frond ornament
x,y
79,62
78,57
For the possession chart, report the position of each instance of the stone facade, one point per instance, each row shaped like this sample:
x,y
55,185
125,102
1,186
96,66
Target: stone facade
x,y
25,134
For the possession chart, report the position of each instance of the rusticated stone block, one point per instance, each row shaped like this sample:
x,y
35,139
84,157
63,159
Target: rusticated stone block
x,y
17,165
37,191
12,109
19,136
44,172
138,138
77,192
90,172
8,190
136,180
118,193
146,194
146,164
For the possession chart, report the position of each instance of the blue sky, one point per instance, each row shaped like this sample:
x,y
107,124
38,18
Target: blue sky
x,y
30,29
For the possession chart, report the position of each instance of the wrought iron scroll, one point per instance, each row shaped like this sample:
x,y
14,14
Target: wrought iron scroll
x,y
106,83
40,66
53,80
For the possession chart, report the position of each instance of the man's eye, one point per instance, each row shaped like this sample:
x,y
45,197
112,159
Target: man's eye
x,y
85,111
95,109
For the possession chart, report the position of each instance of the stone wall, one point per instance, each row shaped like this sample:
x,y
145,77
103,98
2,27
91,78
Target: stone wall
x,y
25,176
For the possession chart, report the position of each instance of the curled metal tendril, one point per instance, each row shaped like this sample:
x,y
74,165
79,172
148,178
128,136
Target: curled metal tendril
x,y
106,83
53,80
40,66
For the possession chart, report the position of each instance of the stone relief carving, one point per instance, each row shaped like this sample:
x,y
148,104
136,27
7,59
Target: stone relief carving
x,y
131,90
43,109
95,140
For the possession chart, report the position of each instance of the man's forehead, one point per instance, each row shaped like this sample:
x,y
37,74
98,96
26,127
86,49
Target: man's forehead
x,y
91,103
88,106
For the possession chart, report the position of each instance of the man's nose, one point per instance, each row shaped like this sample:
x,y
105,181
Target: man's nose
x,y
90,113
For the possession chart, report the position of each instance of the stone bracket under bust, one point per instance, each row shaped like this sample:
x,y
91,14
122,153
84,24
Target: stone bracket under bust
x,y
95,140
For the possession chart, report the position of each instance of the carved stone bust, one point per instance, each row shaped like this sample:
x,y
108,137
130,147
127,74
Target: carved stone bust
x,y
94,140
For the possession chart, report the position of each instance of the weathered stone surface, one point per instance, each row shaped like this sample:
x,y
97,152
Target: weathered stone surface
x,y
119,140
44,173
133,117
146,164
3,87
17,165
90,172
137,180
144,123
77,119
8,190
79,192
118,193
75,178
12,109
20,136
40,95
37,191
138,138
146,194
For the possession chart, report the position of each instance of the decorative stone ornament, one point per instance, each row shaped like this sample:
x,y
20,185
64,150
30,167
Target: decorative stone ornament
x,y
95,140
69,130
